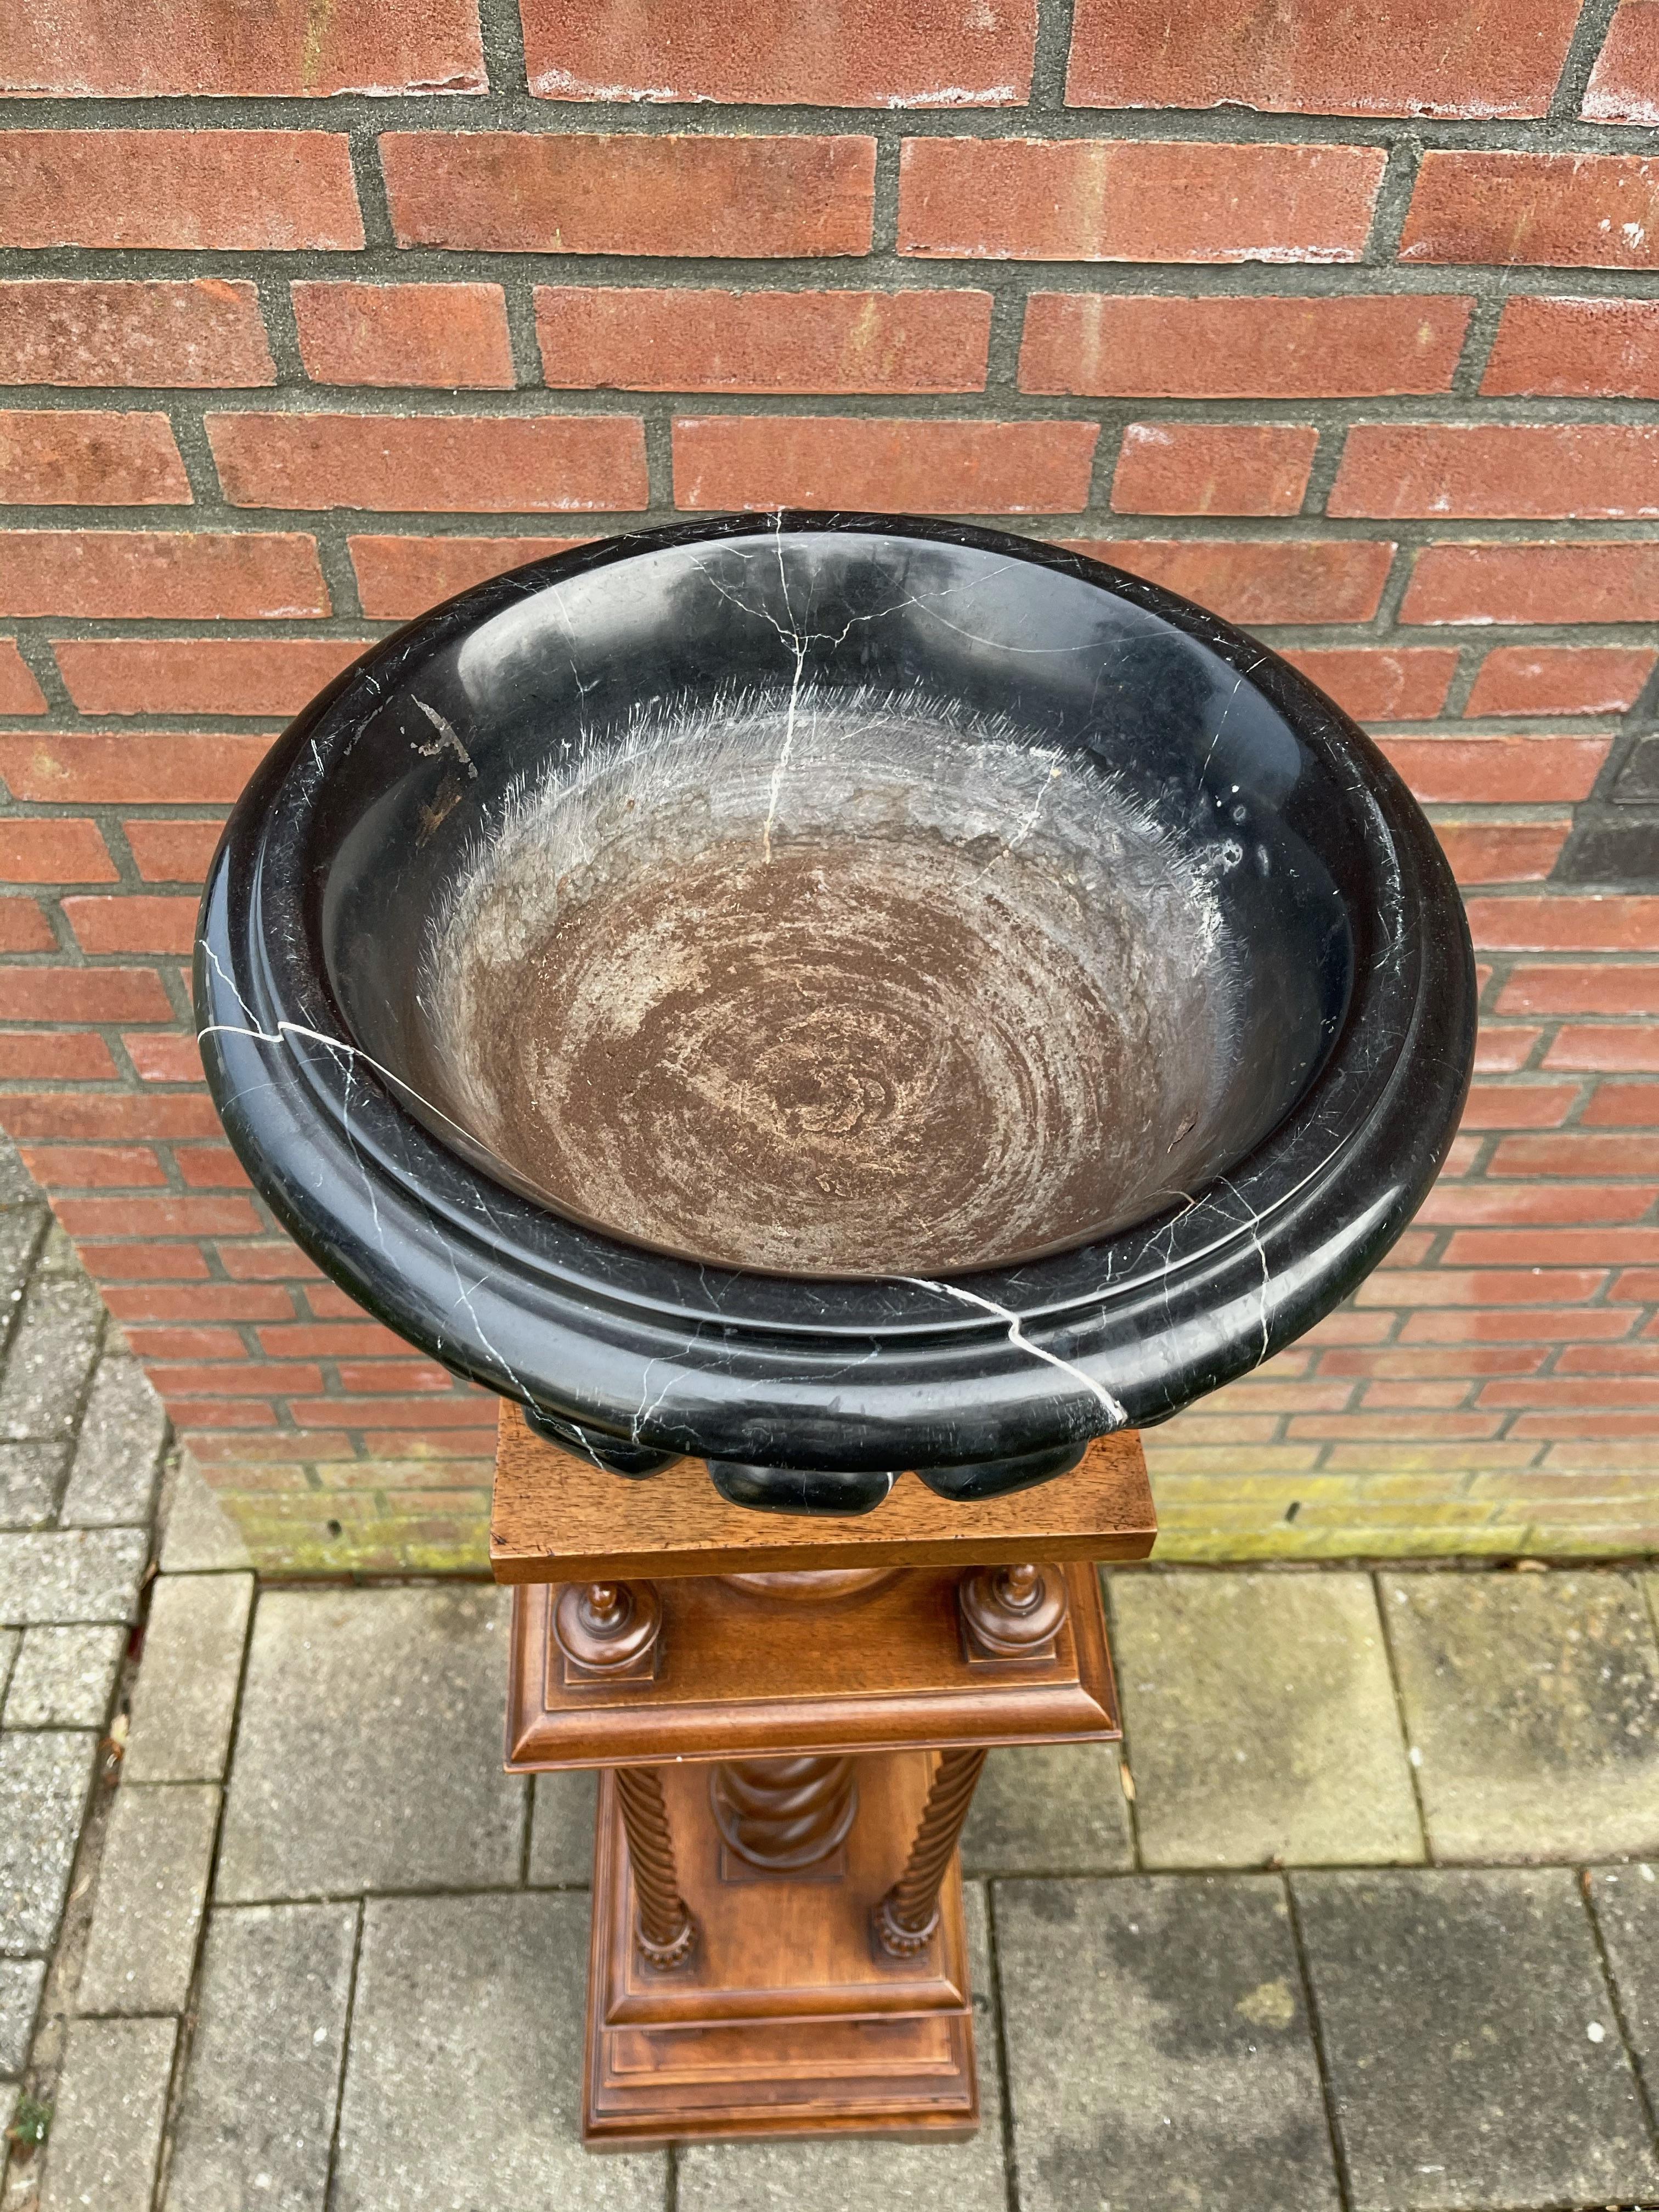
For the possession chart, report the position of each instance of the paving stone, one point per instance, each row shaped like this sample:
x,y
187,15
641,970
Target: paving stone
x,y
562,1830
19,1234
1470,2040
44,1780
1260,1721
258,2108
21,1980
1626,1902
64,1677
464,2081
17,1186
1533,1703
107,2129
51,1356
1159,2049
31,1476
184,1699
200,1537
57,1255
368,1754
152,1885
1049,1809
74,1574
117,1453
835,2172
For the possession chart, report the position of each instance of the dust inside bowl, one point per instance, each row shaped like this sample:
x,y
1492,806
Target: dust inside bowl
x,y
842,982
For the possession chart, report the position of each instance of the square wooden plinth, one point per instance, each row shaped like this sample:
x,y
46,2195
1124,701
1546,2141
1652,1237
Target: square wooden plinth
x,y
788,2018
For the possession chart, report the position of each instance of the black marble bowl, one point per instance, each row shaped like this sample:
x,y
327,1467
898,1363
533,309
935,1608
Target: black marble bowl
x,y
833,994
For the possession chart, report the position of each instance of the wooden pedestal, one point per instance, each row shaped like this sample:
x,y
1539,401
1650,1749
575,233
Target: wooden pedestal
x,y
790,1715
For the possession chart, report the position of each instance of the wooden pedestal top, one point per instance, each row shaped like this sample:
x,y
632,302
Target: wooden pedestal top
x,y
556,1519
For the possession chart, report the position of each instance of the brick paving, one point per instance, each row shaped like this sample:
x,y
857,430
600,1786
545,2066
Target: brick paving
x,y
1372,1927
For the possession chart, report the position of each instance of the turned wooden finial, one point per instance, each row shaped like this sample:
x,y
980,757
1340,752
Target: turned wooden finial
x,y
1010,1613
608,1631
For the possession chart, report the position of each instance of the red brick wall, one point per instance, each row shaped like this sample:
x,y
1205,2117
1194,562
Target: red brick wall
x,y
1348,328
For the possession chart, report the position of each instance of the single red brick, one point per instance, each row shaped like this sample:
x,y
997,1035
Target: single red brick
x,y
107,1115
1382,1397
1579,1426
1346,1327
141,1263
1499,1051
1212,468
1577,348
1519,1105
826,461
255,1378
201,675
1544,468
1563,211
449,335
134,575
1503,853
1097,199
49,1056
1624,1106
271,1260
83,994
1522,771
1560,679
189,1415
632,339
404,1374
155,767
1516,1325
1406,58
1463,1204
1410,1366
632,192
202,331
1609,1359
229,1302
19,692
328,1339
1588,924
37,849
1485,852
1605,1048
164,1058
1410,1250
172,852
1575,1152
857,54
1641,1284
452,463
24,928
193,189
1465,1150
460,1443
1361,1427
78,48
129,924
401,576
1282,579
1405,684
1623,86
208,1167
326,1298
54,457
1558,582
1113,345
155,1344
1606,987
457,1411
91,1167
1605,1390
158,1217
1544,1248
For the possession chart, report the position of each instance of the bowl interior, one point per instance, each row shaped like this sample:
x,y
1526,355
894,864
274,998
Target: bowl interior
x,y
840,904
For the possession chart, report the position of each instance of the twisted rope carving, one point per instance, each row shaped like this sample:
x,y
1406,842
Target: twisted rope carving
x,y
784,1813
908,1915
665,1931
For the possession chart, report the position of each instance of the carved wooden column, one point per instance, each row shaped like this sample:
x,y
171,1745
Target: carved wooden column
x,y
666,1934
907,1916
784,1813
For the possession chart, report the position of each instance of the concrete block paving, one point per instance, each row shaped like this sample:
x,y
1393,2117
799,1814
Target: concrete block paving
x,y
1364,1919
